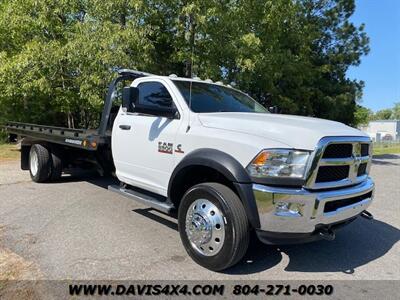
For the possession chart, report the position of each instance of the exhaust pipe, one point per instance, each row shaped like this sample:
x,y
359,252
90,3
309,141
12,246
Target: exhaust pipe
x,y
327,234
367,215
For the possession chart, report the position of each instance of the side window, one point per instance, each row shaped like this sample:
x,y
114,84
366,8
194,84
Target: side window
x,y
154,94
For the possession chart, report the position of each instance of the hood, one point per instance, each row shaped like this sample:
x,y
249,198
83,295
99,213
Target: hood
x,y
294,131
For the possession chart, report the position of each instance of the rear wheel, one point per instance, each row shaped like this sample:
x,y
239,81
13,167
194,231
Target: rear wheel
x,y
39,163
213,226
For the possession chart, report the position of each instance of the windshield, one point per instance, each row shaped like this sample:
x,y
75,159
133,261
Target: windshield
x,y
208,98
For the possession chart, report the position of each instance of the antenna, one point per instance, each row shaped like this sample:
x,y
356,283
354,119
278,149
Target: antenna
x,y
190,95
191,81
192,60
190,105
192,38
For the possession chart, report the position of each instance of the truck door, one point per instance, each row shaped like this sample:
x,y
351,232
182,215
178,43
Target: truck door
x,y
143,145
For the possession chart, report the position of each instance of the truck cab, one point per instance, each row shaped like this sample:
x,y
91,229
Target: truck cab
x,y
221,159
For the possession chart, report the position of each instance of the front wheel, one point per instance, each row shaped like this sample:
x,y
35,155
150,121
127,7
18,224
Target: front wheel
x,y
213,226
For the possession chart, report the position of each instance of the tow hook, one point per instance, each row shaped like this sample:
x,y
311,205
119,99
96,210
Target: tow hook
x,y
327,234
367,215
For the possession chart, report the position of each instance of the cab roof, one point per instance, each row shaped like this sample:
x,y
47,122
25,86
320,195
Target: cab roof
x,y
138,74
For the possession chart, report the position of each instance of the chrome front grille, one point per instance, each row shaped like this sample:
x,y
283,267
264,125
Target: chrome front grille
x,y
338,151
332,173
339,161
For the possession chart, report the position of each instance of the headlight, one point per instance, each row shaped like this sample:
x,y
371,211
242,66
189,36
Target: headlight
x,y
279,163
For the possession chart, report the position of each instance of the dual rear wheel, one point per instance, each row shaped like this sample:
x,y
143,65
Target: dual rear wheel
x,y
44,165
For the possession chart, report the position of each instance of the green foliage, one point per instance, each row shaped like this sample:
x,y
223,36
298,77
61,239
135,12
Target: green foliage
x,y
3,136
386,148
57,57
396,111
384,114
363,115
56,69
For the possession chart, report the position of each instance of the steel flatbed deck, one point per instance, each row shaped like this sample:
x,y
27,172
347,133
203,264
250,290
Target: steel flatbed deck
x,y
88,139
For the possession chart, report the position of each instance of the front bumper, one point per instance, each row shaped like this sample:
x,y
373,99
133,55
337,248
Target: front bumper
x,y
313,213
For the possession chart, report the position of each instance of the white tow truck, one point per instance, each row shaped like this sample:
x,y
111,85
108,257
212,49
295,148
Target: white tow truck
x,y
218,160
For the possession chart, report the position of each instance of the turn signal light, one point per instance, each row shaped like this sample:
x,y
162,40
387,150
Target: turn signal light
x,y
261,159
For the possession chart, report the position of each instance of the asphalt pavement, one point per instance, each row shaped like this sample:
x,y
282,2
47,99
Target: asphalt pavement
x,y
77,229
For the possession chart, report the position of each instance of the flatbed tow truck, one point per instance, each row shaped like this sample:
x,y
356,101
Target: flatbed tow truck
x,y
217,159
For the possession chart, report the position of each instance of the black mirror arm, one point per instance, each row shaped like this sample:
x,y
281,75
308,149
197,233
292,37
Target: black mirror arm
x,y
109,99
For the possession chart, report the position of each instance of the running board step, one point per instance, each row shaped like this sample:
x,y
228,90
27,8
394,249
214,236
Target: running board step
x,y
155,202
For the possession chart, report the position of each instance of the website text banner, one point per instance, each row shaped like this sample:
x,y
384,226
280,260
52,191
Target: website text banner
x,y
76,289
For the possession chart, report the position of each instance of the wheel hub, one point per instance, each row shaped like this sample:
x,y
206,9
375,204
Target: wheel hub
x,y
200,229
205,227
34,163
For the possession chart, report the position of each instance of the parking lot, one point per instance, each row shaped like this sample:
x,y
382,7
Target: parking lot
x,y
77,229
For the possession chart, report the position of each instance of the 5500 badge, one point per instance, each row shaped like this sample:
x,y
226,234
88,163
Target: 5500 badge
x,y
168,148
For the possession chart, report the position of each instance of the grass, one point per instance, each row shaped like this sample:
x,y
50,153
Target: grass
x,y
379,149
9,152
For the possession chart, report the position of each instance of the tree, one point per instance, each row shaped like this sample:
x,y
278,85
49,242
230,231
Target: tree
x,y
56,57
384,114
396,111
363,115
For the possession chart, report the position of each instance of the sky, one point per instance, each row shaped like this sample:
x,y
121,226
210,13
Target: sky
x,y
380,69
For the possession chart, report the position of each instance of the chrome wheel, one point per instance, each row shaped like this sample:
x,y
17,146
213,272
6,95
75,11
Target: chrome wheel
x,y
205,227
34,162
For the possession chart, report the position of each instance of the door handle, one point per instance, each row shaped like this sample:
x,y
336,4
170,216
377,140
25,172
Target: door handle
x,y
125,127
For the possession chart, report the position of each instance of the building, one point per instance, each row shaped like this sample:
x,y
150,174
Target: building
x,y
383,130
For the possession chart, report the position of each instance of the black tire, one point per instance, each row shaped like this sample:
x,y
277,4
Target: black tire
x,y
237,232
56,165
43,163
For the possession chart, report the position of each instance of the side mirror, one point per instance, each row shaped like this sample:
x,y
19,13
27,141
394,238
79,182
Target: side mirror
x,y
273,109
130,96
